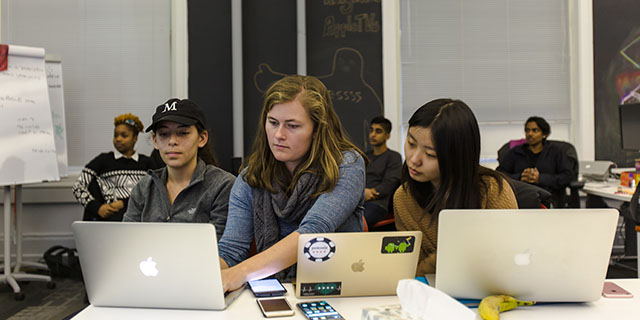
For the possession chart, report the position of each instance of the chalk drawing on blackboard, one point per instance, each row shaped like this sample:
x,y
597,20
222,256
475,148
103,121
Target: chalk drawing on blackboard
x,y
355,101
265,76
348,66
625,67
635,47
346,61
632,97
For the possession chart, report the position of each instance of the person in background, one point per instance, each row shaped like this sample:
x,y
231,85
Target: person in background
x,y
105,183
303,176
190,188
383,172
539,162
442,171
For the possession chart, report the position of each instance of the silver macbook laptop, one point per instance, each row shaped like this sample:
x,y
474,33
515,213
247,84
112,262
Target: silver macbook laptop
x,y
355,264
151,265
539,255
595,170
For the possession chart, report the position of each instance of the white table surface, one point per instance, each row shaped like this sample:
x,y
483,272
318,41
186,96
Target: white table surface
x,y
607,189
245,307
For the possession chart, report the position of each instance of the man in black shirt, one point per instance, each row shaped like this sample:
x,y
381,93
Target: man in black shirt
x,y
539,162
383,172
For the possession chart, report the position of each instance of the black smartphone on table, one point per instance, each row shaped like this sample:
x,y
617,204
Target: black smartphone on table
x,y
316,310
267,288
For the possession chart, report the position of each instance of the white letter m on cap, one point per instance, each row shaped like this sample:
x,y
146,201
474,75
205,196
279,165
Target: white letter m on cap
x,y
168,107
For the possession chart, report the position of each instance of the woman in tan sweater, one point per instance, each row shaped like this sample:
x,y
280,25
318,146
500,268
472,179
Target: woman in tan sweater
x,y
442,171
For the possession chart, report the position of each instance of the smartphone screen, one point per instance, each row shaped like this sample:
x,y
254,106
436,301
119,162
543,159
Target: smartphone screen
x,y
316,310
267,288
275,307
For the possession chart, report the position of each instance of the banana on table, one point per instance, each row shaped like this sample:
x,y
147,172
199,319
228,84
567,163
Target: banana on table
x,y
491,306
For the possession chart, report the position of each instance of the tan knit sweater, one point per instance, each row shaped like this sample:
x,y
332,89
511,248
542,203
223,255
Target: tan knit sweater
x,y
410,216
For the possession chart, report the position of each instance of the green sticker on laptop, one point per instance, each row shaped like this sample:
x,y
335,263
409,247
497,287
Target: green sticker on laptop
x,y
391,245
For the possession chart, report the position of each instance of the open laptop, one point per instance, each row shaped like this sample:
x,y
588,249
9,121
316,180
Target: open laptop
x,y
355,263
595,170
538,255
151,265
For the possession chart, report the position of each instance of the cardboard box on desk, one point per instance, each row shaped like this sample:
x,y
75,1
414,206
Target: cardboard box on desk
x,y
629,179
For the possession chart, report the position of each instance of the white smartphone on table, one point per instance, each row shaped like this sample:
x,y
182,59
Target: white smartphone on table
x,y
275,307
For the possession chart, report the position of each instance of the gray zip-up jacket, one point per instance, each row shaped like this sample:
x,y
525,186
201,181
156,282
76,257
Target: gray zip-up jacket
x,y
204,200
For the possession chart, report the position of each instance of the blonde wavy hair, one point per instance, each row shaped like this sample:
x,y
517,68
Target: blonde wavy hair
x,y
328,140
130,120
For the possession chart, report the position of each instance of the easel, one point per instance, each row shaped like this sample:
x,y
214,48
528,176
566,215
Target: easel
x,y
33,159
12,277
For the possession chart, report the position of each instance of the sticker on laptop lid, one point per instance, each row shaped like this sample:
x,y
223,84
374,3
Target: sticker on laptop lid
x,y
319,249
320,289
398,244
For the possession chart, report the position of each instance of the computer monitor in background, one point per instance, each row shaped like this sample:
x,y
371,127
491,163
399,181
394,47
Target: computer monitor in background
x,y
630,126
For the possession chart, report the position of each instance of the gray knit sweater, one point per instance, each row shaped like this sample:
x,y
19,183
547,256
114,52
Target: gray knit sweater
x,y
204,200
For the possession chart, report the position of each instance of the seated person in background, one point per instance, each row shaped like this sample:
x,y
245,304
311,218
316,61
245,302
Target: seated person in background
x,y
383,172
190,188
538,162
105,183
303,176
442,171
156,159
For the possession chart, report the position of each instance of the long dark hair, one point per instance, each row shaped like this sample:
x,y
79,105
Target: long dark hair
x,y
456,138
206,152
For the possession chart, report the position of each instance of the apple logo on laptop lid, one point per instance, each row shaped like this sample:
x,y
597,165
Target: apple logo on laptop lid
x,y
358,266
148,267
522,258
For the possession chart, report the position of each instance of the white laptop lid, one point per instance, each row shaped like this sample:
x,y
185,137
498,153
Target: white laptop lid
x,y
537,254
152,265
355,263
595,170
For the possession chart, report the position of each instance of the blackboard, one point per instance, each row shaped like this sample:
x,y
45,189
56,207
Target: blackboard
x,y
344,50
210,78
269,43
26,130
616,43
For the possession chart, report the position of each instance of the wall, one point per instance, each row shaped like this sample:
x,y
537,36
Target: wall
x,y
48,211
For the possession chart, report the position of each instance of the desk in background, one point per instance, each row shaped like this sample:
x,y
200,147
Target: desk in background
x,y
351,308
608,190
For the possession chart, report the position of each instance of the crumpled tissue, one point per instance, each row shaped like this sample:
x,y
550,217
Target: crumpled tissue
x,y
425,302
419,301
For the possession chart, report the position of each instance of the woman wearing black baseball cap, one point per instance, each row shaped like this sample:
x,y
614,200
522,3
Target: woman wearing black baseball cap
x,y
191,188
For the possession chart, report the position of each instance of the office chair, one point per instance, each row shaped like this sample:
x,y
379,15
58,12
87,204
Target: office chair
x,y
574,186
530,196
389,222
573,200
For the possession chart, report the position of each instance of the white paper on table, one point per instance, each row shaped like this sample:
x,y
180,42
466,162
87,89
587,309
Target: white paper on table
x,y
425,302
